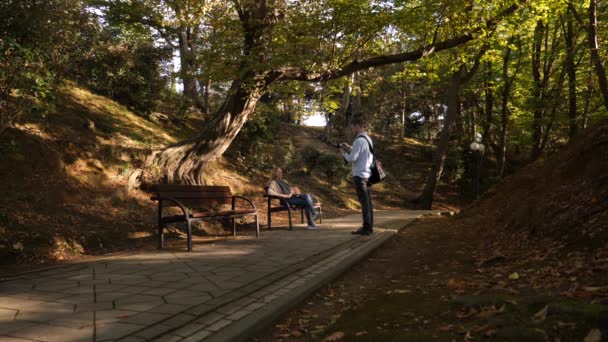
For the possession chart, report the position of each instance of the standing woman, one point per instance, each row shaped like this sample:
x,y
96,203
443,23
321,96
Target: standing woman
x,y
279,188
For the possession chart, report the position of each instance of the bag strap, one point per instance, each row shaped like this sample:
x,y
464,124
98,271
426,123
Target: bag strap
x,y
368,143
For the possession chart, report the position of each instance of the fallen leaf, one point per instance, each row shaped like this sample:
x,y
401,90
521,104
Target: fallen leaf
x,y
541,314
447,327
402,291
466,314
338,335
361,333
566,325
595,335
514,276
487,312
591,288
457,284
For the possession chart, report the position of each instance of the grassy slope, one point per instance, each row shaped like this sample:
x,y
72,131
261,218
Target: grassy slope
x,y
66,176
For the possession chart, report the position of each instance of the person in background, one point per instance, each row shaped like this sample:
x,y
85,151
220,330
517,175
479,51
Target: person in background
x,y
361,158
279,188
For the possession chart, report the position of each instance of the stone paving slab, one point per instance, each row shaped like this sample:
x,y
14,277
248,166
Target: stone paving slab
x,y
220,291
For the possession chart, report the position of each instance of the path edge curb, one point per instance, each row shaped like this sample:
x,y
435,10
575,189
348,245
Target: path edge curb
x,y
260,320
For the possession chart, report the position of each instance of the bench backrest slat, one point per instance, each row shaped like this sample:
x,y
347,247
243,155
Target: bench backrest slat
x,y
194,195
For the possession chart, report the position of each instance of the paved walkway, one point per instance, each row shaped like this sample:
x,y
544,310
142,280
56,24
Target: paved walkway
x,y
222,291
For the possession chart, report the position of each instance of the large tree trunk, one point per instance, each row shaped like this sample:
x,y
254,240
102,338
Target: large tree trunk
x,y
187,37
459,78
355,105
426,198
596,59
184,162
537,90
344,103
571,71
504,114
555,95
588,96
488,108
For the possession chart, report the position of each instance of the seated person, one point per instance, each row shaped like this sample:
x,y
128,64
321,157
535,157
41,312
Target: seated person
x,y
279,188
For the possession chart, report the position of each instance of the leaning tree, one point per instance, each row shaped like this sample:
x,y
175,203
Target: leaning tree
x,y
316,41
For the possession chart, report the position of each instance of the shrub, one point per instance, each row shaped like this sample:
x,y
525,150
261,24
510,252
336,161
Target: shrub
x,y
283,154
333,167
255,131
310,157
454,167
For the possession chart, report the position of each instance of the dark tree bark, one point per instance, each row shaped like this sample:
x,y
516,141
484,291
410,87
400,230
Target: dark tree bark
x,y
554,103
504,113
596,59
459,78
187,41
537,91
354,106
571,71
344,103
588,96
488,108
184,161
543,57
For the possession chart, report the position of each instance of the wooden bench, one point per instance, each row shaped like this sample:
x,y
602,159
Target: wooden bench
x,y
198,197
285,206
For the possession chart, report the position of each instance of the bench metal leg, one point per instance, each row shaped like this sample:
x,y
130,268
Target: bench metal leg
x,y
320,215
161,240
289,214
257,226
269,215
234,227
302,215
189,236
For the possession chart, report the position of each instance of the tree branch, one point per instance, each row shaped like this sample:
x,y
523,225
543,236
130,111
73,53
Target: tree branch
x,y
300,74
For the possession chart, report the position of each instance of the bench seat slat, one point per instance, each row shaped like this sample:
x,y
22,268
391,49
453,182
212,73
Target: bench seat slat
x,y
293,207
178,195
206,203
189,188
210,214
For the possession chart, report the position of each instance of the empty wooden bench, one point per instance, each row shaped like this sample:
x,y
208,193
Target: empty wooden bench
x,y
206,200
285,206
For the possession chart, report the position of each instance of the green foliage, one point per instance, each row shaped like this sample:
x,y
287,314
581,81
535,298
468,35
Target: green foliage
x,y
310,157
252,140
333,167
256,130
454,167
124,64
24,81
37,42
283,154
